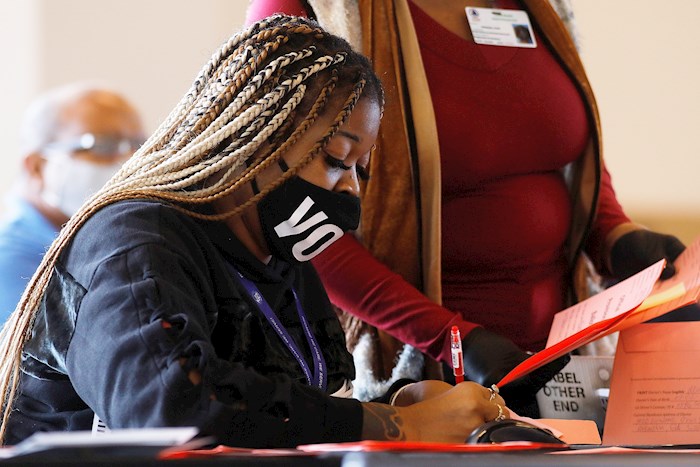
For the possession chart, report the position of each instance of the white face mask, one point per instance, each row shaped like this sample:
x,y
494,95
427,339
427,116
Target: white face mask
x,y
69,182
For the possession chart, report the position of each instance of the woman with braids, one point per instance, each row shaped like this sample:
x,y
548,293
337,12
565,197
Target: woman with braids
x,y
181,293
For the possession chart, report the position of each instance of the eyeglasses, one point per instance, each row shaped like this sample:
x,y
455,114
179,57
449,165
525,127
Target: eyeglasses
x,y
101,145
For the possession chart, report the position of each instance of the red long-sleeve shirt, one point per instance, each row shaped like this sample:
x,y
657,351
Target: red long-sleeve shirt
x,y
508,119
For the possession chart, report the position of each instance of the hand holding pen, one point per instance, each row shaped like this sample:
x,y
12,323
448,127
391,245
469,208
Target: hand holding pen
x,y
458,370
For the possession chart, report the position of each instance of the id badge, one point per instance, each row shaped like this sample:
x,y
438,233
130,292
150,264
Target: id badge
x,y
506,28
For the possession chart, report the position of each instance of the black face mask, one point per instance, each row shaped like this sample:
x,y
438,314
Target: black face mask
x,y
300,220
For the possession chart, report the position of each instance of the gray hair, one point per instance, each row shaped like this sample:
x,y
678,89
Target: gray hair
x,y
43,118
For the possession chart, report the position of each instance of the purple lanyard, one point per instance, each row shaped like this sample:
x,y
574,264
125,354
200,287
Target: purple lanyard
x,y
319,378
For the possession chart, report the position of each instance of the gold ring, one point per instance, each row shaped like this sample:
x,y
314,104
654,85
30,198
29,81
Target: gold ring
x,y
494,392
501,415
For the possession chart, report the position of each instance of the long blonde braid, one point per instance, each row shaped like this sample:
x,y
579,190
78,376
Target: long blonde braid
x,y
248,94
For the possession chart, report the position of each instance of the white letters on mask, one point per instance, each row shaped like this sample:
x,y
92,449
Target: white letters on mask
x,y
299,219
69,182
292,227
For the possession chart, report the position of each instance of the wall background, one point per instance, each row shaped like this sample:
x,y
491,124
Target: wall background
x,y
642,56
643,60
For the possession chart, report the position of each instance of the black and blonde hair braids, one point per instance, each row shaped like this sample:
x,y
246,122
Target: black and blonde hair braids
x,y
269,83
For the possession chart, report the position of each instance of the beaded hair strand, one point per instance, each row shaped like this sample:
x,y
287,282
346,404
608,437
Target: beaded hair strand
x,y
268,83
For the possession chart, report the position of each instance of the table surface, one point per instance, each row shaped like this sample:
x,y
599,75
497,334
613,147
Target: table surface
x,y
141,457
521,459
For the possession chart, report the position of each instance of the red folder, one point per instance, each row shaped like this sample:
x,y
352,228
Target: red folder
x,y
652,298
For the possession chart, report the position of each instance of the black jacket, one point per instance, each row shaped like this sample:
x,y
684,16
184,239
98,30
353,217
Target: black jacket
x,y
142,286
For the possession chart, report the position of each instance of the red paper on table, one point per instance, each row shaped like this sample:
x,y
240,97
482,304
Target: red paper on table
x,y
637,299
371,446
228,451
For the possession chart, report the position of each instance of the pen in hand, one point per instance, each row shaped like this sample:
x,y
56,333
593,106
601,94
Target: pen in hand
x,y
457,359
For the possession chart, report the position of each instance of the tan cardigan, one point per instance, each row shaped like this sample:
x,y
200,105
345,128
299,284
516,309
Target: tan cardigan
x,y
401,223
401,202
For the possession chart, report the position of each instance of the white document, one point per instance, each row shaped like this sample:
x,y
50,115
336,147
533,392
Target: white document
x,y
42,441
610,303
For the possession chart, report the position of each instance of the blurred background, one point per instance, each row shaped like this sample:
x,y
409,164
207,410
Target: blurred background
x,y
642,57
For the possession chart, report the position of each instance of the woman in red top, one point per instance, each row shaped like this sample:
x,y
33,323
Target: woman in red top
x,y
492,193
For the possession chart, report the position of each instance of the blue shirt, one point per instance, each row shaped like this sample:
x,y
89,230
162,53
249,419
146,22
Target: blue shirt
x,y
25,235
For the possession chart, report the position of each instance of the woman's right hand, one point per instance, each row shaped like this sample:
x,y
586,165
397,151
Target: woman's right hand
x,y
449,417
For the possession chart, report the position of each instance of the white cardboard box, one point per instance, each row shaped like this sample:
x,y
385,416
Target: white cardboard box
x,y
571,394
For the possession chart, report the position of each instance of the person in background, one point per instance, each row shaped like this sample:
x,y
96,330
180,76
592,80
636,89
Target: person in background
x,y
488,191
182,294
73,139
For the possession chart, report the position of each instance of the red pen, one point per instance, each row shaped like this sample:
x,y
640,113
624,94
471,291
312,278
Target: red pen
x,y
457,360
